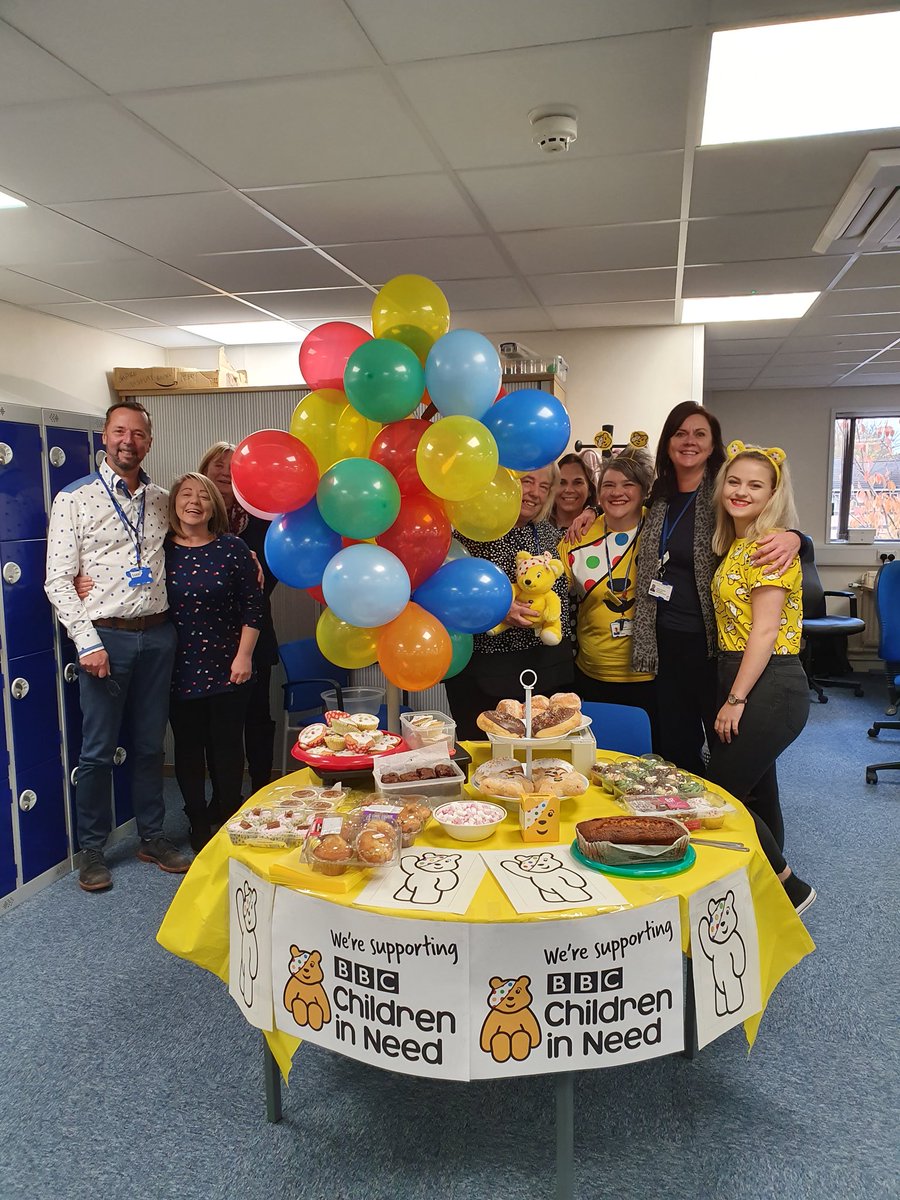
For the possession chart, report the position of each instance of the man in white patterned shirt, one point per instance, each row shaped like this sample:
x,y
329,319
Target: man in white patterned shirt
x,y
111,526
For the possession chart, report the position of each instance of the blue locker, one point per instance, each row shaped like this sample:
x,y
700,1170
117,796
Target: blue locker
x,y
33,708
40,812
27,612
97,450
7,847
71,725
23,514
68,457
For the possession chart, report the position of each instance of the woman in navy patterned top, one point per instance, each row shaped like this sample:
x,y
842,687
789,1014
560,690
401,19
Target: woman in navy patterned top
x,y
216,606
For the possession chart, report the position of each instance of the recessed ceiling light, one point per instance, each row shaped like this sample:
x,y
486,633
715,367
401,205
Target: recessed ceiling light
x,y
11,201
781,307
249,333
804,78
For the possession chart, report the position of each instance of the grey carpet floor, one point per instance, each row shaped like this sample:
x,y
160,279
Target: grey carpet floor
x,y
127,1073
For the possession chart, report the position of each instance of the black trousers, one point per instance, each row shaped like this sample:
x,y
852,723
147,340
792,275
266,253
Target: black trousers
x,y
685,698
208,732
775,714
489,678
259,729
632,695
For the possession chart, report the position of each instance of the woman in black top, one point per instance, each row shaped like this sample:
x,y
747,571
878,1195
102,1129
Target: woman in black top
x,y
493,671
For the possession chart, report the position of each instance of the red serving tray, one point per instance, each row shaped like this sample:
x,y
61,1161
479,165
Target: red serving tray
x,y
343,762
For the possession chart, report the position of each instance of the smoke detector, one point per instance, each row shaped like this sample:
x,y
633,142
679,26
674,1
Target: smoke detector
x,y
554,127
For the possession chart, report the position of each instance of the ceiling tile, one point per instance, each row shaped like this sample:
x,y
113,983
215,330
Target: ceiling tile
x,y
642,79
728,12
736,363
747,372
199,310
873,270
861,379
804,370
860,301
606,247
724,347
822,358
598,287
28,73
128,46
100,316
765,276
192,224
501,320
485,293
20,289
36,235
879,323
127,279
596,191
322,303
400,34
586,316
792,381
473,257
835,343
762,236
170,339
349,125
880,367
733,330
89,150
265,270
712,383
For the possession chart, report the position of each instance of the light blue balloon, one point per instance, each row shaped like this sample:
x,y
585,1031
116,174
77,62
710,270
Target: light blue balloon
x,y
462,374
457,550
468,595
366,586
531,429
299,546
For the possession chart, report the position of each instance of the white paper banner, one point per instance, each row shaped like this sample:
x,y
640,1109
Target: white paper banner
x,y
550,880
424,880
569,995
391,992
250,902
725,953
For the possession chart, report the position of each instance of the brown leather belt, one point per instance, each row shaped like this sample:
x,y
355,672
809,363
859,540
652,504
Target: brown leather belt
x,y
132,624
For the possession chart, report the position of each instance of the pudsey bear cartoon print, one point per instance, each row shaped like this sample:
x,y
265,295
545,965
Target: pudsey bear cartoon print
x,y
724,947
304,997
245,901
429,876
556,883
510,1029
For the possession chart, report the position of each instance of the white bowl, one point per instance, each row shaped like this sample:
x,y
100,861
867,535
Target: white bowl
x,y
468,833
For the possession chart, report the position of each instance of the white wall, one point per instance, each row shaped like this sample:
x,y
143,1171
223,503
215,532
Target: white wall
x,y
52,363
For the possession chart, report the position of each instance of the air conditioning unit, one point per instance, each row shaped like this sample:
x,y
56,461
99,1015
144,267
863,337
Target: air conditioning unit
x,y
867,217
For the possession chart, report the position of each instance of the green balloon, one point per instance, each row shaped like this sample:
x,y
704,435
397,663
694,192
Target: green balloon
x,y
358,498
463,645
384,380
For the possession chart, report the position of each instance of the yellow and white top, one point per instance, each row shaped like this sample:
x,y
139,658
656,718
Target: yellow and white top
x,y
734,582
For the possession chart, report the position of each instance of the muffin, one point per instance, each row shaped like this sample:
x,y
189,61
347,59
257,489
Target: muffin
x,y
332,854
374,846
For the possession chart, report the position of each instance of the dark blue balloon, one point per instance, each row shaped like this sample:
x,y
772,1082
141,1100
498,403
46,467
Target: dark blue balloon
x,y
299,545
469,595
531,429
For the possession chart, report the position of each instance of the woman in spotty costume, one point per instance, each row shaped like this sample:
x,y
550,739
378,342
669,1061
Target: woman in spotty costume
x,y
601,566
763,692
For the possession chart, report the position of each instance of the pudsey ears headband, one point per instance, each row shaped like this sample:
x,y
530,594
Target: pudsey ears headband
x,y
603,440
774,454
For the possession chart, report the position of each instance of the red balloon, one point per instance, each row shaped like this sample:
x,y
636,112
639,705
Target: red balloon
x,y
325,351
317,593
395,448
274,471
420,537
503,392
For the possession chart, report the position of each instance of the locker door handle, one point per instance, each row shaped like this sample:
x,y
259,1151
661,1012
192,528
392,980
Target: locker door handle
x,y
27,800
12,572
6,454
70,672
19,688
57,456
120,755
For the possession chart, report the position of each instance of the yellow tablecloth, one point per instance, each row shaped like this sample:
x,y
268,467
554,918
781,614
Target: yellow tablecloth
x,y
196,924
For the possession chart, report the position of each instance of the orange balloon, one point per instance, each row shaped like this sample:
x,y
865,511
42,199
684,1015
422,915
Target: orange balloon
x,y
414,650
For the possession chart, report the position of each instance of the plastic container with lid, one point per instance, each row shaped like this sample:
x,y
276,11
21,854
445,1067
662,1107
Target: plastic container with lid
x,y
354,699
363,838
445,785
427,727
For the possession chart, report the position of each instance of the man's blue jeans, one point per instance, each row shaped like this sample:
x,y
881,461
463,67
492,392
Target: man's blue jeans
x,y
137,691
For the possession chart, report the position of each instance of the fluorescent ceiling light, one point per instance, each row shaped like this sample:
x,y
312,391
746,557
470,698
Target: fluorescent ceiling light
x,y
248,333
11,201
781,307
805,78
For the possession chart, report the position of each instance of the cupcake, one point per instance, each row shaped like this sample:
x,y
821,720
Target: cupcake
x,y
332,854
375,847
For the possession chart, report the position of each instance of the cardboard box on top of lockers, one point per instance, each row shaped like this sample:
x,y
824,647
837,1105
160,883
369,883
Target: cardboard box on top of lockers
x,y
177,379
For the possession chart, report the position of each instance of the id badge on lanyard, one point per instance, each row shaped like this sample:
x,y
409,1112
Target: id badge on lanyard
x,y
659,589
139,575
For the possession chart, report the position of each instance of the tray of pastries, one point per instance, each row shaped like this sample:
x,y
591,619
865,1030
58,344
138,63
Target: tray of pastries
x,y
505,779
551,717
344,740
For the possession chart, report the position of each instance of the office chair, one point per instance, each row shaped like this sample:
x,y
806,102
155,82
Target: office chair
x,y
887,605
619,727
307,673
818,625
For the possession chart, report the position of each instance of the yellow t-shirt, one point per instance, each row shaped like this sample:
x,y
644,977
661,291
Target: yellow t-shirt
x,y
602,574
735,580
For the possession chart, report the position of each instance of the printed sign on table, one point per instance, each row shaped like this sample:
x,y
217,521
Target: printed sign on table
x,y
725,954
550,880
250,942
569,995
393,993
427,880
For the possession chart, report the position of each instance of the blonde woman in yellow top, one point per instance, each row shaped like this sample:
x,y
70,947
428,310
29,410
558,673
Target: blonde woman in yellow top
x,y
601,566
763,692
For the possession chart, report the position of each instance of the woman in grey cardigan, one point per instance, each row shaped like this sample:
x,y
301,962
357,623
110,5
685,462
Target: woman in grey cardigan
x,y
674,622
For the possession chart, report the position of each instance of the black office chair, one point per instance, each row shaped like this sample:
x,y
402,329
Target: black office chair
x,y
887,604
819,625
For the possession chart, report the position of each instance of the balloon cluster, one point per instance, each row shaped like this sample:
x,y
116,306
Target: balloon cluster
x,y
364,497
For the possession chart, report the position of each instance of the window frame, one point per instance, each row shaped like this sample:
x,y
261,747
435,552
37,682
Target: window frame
x,y
853,416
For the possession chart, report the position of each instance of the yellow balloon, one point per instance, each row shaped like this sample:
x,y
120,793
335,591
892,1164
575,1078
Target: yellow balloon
x,y
457,458
492,512
412,310
315,423
346,645
354,434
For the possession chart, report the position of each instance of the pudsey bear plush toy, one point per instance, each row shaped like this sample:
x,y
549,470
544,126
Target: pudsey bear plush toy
x,y
535,577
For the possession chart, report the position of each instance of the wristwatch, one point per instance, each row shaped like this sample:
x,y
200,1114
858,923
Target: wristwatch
x,y
733,699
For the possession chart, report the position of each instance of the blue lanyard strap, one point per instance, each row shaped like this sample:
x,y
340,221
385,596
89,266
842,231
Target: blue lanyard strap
x,y
668,530
534,538
135,532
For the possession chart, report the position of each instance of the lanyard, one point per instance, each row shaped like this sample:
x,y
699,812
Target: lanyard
x,y
623,579
668,530
534,538
135,532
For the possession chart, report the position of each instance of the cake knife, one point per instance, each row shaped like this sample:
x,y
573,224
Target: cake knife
x,y
720,845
